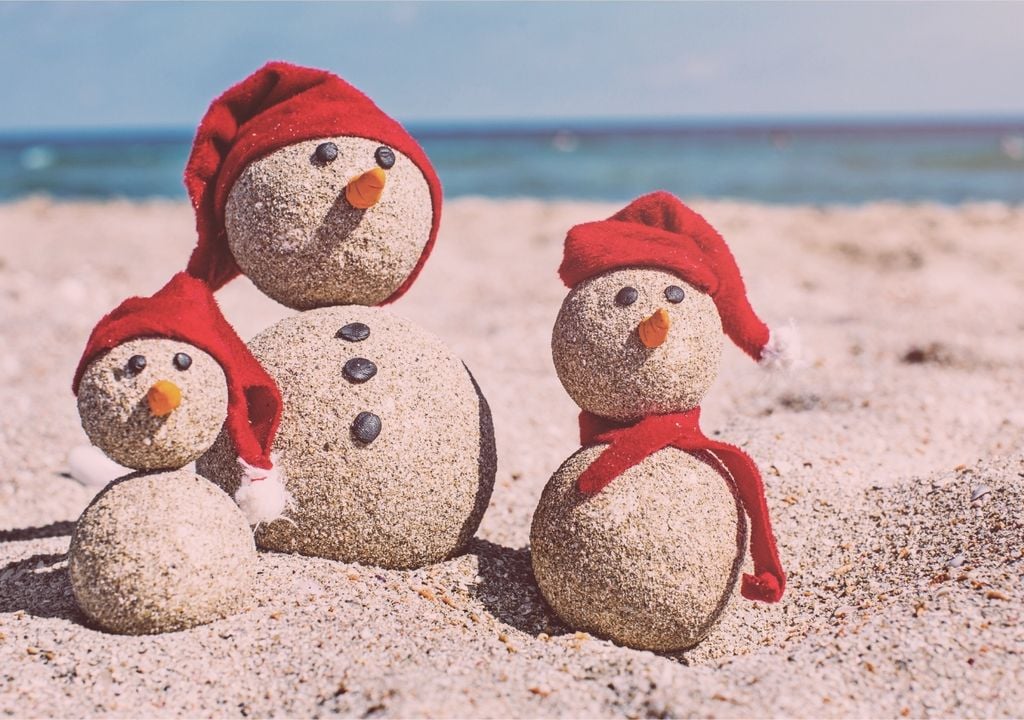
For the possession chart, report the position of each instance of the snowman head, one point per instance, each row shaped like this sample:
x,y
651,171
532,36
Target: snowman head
x,y
329,221
637,342
303,184
153,403
654,287
161,375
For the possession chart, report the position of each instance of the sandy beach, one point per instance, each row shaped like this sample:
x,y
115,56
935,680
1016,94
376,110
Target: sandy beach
x,y
894,463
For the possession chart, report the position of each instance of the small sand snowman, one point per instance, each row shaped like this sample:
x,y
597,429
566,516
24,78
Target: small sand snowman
x,y
164,549
330,207
640,536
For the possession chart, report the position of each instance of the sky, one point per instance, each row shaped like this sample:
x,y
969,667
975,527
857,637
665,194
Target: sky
x,y
99,65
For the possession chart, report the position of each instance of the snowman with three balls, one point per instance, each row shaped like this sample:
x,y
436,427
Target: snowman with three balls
x,y
640,536
164,549
385,450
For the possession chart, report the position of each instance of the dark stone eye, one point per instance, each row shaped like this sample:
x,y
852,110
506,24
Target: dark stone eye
x,y
674,294
136,364
626,296
366,427
326,152
182,361
385,157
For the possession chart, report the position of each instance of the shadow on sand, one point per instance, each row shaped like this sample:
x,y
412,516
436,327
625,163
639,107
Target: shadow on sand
x,y
509,592
38,585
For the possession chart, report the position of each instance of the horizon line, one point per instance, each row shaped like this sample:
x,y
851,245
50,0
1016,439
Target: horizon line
x,y
591,126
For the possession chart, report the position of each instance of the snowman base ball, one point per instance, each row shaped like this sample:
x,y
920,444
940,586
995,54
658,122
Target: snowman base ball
x,y
161,552
648,562
385,441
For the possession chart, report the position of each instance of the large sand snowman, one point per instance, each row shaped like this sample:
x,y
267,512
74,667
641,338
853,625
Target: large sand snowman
x,y
330,207
640,536
164,549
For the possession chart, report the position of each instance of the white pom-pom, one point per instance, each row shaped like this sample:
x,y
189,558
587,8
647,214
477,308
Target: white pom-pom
x,y
88,465
262,496
784,350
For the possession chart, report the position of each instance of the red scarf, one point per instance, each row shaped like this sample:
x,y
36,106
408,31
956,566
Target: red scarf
x,y
629,445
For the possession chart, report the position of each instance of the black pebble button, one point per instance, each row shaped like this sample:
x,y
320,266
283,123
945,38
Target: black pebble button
x,y
360,370
354,332
674,294
326,152
366,427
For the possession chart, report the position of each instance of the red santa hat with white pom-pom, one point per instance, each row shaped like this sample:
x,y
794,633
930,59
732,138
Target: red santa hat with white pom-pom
x,y
658,230
185,310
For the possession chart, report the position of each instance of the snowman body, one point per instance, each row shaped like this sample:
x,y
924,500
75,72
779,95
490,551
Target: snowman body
x,y
649,562
162,549
385,440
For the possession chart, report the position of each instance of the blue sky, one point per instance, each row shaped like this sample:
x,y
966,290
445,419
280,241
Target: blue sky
x,y
159,64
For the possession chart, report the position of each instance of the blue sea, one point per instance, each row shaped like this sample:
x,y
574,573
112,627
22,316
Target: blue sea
x,y
820,162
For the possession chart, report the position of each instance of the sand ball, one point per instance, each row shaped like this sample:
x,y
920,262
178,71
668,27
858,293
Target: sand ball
x,y
160,552
650,561
294,234
385,440
117,417
605,367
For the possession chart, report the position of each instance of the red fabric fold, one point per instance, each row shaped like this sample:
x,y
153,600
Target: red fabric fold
x,y
629,445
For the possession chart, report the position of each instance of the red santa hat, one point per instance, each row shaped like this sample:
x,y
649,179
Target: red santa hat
x,y
659,231
278,105
185,310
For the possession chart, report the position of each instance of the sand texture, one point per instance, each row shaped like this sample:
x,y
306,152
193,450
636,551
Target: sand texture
x,y
894,466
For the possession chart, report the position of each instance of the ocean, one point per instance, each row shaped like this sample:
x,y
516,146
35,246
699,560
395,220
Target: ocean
x,y
817,163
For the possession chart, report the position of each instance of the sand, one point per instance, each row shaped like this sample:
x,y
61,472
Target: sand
x,y
905,595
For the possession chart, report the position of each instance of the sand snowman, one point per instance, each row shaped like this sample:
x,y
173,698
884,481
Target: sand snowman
x,y
165,549
330,207
640,536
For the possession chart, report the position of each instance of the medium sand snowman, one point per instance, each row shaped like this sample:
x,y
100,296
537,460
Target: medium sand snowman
x,y
330,207
164,549
640,536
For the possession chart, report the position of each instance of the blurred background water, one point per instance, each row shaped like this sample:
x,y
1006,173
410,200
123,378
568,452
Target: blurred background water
x,y
798,162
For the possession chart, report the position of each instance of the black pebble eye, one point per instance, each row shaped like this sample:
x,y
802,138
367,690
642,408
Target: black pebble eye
x,y
626,296
136,364
182,361
674,294
385,157
326,152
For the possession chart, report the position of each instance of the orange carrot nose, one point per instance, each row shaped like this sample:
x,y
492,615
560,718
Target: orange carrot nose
x,y
654,329
363,191
163,397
